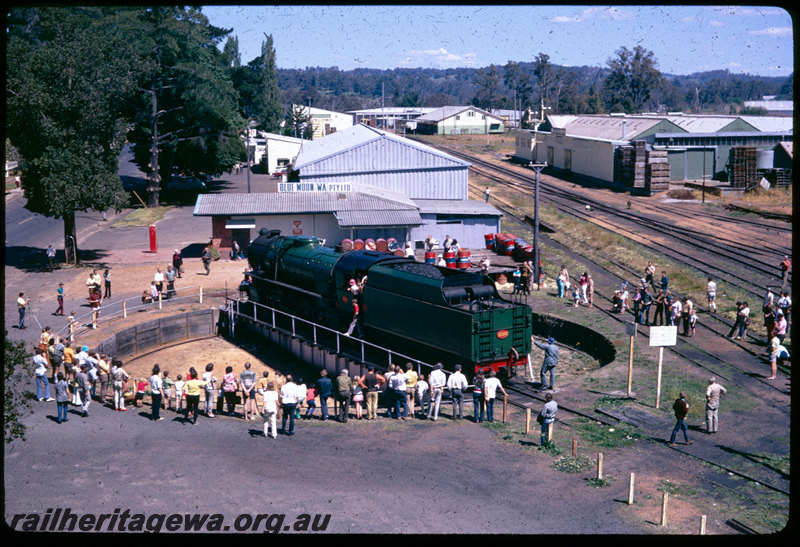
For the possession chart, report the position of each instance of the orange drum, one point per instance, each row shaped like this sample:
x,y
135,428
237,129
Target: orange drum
x,y
358,244
347,245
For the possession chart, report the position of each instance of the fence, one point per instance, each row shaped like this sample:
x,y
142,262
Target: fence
x,y
120,309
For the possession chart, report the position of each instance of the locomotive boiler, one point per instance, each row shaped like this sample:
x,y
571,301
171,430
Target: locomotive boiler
x,y
421,310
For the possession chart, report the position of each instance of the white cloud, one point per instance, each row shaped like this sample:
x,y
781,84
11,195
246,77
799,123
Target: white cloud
x,y
441,58
603,13
774,32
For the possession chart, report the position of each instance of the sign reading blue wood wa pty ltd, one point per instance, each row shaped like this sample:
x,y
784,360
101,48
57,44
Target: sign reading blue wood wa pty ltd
x,y
315,187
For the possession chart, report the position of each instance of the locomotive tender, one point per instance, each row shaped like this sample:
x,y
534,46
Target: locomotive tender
x,y
420,310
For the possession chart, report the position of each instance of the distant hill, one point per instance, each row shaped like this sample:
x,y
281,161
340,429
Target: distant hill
x,y
717,91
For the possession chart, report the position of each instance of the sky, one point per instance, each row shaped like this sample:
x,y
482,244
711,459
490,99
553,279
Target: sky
x,y
755,40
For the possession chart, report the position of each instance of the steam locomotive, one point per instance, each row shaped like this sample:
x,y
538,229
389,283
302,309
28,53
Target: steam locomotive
x,y
428,312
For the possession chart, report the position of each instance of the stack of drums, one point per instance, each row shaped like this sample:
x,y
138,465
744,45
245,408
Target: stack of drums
x,y
450,259
380,244
358,244
369,244
430,257
347,245
505,244
463,261
524,250
489,238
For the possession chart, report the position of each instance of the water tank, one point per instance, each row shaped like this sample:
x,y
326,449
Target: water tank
x,y
765,159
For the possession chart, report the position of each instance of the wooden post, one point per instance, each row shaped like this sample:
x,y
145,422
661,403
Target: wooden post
x,y
574,447
703,525
94,319
550,432
72,331
505,409
201,294
159,300
658,381
664,500
124,310
527,421
599,465
630,489
630,367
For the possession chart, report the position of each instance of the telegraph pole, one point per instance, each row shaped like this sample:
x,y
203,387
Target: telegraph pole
x,y
536,259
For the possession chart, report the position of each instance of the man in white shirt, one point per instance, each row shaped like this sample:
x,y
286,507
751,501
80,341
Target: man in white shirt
x,y
40,369
490,387
289,398
457,383
437,382
711,293
397,383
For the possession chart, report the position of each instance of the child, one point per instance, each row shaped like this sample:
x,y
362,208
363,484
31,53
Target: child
x,y
141,391
576,295
303,391
71,326
358,396
311,401
179,383
692,322
167,384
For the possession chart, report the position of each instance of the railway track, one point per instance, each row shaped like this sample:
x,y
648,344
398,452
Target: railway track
x,y
725,255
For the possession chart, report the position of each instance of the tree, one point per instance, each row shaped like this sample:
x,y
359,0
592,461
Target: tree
x,y
186,111
487,94
230,53
15,376
69,72
544,74
632,79
268,110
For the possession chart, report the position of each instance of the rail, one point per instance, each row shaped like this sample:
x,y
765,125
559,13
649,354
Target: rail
x,y
120,308
316,334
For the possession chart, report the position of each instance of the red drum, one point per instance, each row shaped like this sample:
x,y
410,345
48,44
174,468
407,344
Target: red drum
x,y
381,245
369,244
489,238
430,257
450,259
464,261
358,244
347,245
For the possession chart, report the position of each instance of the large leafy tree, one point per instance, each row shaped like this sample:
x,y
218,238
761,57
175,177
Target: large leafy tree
x,y
69,70
186,115
15,379
543,70
633,78
487,93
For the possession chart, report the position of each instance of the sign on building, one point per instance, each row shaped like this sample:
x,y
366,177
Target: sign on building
x,y
288,187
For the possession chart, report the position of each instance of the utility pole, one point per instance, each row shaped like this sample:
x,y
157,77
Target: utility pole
x,y
536,259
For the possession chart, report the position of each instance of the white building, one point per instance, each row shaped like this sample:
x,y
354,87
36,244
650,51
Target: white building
x,y
325,122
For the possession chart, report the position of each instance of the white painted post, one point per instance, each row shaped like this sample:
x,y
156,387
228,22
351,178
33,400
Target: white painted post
x,y
124,310
664,500
201,294
159,300
703,525
599,465
630,490
658,381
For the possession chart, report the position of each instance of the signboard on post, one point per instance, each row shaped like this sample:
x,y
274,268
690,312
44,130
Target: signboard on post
x,y
660,337
663,336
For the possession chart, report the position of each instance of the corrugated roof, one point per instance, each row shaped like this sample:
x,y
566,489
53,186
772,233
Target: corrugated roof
x,y
609,127
456,207
770,123
449,111
351,208
352,137
702,124
349,219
